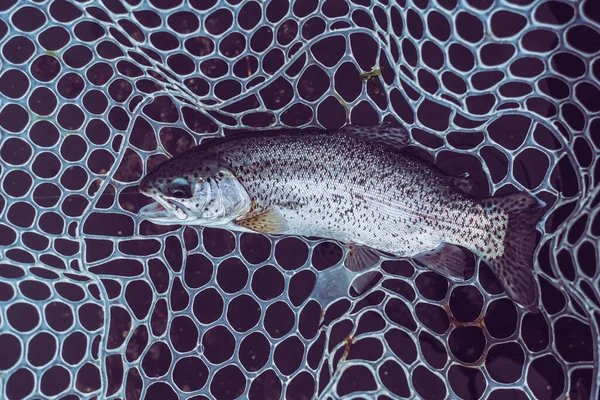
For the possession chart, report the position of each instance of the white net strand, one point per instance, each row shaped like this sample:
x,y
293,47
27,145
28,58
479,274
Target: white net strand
x,y
95,302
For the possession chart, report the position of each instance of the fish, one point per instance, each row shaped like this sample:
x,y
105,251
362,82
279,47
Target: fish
x,y
360,186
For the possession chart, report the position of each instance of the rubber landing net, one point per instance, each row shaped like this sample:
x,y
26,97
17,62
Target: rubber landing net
x,y
95,303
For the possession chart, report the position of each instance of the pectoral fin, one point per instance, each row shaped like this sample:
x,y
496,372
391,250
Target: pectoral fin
x,y
269,221
446,259
360,258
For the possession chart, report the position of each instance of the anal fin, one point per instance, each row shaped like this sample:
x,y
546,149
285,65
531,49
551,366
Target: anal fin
x,y
446,259
269,221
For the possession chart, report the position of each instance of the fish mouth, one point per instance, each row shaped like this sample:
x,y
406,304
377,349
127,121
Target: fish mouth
x,y
163,211
155,210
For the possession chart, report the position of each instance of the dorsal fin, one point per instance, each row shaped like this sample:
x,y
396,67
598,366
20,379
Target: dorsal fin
x,y
388,133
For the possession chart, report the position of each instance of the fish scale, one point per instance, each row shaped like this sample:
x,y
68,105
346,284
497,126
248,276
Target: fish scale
x,y
320,176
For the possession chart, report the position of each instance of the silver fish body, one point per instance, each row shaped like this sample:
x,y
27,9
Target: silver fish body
x,y
339,186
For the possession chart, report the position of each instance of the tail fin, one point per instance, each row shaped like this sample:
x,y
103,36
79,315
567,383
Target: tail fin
x,y
514,268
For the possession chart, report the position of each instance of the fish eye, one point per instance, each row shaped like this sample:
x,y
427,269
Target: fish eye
x,y
180,190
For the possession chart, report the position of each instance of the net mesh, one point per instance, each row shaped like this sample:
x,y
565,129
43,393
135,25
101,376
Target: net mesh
x,y
95,302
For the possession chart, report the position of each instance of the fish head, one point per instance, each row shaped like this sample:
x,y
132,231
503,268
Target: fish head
x,y
192,192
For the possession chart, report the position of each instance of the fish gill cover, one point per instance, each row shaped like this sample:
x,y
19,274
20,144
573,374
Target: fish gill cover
x,y
96,303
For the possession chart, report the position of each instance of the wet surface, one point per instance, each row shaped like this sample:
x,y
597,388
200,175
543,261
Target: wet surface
x,y
177,290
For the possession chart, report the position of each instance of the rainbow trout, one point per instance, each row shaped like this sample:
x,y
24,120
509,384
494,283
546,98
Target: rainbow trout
x,y
367,194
